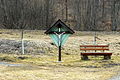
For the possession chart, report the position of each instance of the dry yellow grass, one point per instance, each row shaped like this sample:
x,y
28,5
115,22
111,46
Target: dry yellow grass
x,y
59,73
46,67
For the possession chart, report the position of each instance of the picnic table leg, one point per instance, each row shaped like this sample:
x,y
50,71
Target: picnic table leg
x,y
84,57
106,57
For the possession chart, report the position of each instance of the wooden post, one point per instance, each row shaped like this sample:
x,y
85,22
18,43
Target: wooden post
x,y
22,42
59,57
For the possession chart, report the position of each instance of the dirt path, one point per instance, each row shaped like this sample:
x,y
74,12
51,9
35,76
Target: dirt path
x,y
10,64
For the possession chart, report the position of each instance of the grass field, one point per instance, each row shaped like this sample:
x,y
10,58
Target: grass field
x,y
46,67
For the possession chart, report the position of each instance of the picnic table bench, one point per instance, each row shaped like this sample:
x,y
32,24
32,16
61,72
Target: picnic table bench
x,y
95,50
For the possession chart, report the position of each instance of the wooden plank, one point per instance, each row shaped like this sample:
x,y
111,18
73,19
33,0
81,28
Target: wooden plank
x,y
94,45
97,53
93,49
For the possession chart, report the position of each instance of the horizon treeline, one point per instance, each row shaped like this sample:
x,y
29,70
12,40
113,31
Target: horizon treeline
x,y
88,15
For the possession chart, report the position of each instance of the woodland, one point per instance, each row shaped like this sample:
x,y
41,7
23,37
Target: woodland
x,y
80,15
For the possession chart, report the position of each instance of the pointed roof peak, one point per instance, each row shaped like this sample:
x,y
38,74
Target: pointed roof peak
x,y
59,24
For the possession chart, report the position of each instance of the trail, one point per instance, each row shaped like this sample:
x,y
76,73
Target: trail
x,y
9,64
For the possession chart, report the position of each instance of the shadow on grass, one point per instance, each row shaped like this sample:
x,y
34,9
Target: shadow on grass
x,y
69,61
92,64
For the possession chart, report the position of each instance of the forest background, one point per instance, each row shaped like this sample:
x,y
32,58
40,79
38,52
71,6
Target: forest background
x,y
81,15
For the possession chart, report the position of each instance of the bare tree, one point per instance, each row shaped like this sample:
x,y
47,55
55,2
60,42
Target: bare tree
x,y
40,14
